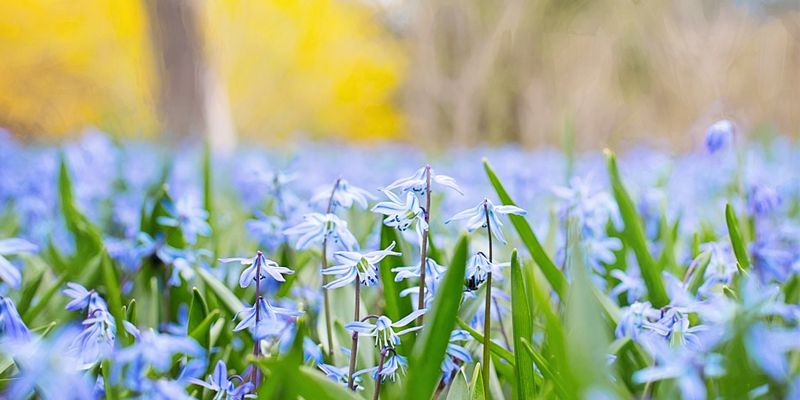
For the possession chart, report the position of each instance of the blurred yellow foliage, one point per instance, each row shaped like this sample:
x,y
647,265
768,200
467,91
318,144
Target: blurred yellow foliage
x,y
322,66
68,64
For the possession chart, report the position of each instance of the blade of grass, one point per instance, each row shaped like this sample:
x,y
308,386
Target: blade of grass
x,y
522,325
734,231
634,236
429,351
553,275
494,347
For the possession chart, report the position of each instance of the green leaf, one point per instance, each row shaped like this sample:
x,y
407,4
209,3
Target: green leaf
x,y
459,388
736,238
429,351
698,270
547,371
88,242
202,331
522,321
225,296
396,307
634,236
476,385
44,300
198,309
113,292
529,239
312,384
495,348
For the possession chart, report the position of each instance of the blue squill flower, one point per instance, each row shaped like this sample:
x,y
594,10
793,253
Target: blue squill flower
x,y
768,347
258,263
478,269
630,282
432,270
401,214
383,328
267,230
719,135
394,366
45,368
674,327
268,323
83,299
155,350
687,367
11,324
181,261
186,215
344,195
312,352
339,375
224,386
352,265
417,183
762,200
634,317
317,227
8,247
96,340
455,352
477,217
592,208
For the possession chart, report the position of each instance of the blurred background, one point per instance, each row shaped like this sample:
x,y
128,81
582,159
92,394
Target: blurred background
x,y
433,72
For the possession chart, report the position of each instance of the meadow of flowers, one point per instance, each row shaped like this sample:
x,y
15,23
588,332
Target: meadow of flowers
x,y
334,272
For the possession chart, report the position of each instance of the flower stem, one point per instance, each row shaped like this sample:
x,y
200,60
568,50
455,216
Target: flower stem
x,y
487,318
377,392
424,245
255,378
325,298
354,347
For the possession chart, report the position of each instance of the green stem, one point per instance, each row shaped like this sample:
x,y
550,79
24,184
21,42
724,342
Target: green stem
x,y
487,318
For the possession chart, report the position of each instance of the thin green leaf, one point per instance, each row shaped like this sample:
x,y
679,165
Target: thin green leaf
x,y
737,241
202,331
476,385
493,347
198,309
113,292
225,296
395,307
429,351
522,321
553,275
634,236
459,388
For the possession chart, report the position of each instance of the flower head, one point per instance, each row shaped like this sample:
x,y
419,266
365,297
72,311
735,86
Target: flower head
x,y
11,324
354,265
186,215
8,273
263,319
401,214
225,386
478,269
383,328
478,216
418,182
455,352
317,227
339,375
719,135
394,366
257,263
343,195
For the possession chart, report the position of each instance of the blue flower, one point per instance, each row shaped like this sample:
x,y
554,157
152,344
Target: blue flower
x,y
258,263
591,207
156,350
354,265
11,324
719,135
344,195
383,328
339,375
432,270
83,299
762,200
317,227
181,261
8,247
478,269
96,340
45,368
267,229
455,352
417,183
687,367
634,317
311,351
186,215
477,217
402,214
394,366
263,319
223,385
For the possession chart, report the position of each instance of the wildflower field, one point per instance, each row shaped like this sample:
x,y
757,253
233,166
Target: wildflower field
x,y
337,272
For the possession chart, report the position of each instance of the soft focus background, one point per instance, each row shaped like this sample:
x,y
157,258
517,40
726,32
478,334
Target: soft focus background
x,y
435,72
